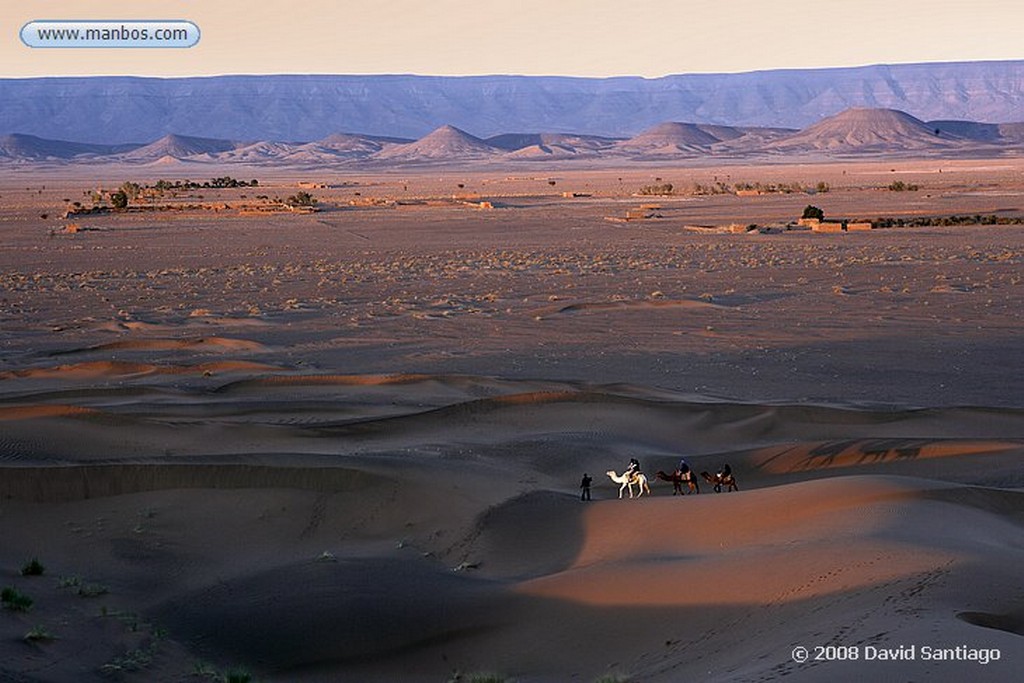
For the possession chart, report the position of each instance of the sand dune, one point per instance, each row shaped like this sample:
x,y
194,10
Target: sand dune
x,y
97,369
70,483
655,589
598,307
200,343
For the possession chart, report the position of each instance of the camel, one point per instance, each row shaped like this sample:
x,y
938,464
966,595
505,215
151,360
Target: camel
x,y
677,478
719,480
628,481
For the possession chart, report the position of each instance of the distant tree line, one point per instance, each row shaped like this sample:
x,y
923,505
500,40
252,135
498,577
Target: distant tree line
x,y
130,191
764,188
662,189
932,221
213,183
900,186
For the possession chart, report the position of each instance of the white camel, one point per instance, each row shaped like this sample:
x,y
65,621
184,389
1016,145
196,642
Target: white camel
x,y
628,480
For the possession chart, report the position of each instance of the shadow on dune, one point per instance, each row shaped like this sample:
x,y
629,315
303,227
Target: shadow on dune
x,y
1011,622
534,534
80,482
391,620
332,611
867,452
351,612
197,344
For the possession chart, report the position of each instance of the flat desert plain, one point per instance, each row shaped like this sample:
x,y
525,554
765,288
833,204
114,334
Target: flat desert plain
x,y
347,445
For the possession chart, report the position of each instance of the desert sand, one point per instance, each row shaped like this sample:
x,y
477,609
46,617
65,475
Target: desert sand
x,y
347,445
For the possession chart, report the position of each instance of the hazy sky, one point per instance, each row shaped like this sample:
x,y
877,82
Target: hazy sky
x,y
564,37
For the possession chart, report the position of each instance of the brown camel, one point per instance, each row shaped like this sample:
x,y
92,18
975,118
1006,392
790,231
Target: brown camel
x,y
677,479
719,480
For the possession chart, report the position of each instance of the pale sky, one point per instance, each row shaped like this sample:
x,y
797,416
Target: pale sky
x,y
535,37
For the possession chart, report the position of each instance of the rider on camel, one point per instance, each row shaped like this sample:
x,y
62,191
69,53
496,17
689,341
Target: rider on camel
x,y
683,469
634,468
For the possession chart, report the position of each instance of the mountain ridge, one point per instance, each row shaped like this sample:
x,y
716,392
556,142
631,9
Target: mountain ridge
x,y
128,109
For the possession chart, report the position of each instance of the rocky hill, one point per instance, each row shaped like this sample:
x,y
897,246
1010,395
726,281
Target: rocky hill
x,y
867,132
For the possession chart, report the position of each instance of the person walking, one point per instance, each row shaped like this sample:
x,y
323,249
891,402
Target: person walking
x,y
585,485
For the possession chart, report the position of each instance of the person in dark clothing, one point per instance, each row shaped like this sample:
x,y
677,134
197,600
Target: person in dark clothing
x,y
585,485
634,467
725,478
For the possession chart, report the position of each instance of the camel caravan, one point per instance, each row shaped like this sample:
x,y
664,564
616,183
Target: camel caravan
x,y
682,476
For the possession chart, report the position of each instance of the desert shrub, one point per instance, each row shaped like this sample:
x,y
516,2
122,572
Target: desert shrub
x,y
133,190
203,670
766,188
664,188
900,186
301,199
237,676
811,211
69,582
477,677
822,186
212,183
15,600
132,660
92,590
119,199
38,634
33,568
717,188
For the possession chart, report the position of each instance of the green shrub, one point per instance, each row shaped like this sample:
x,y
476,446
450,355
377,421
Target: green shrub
x,y
92,590
664,189
119,199
813,212
478,677
33,568
900,186
69,582
38,635
204,670
132,660
237,676
301,199
15,600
